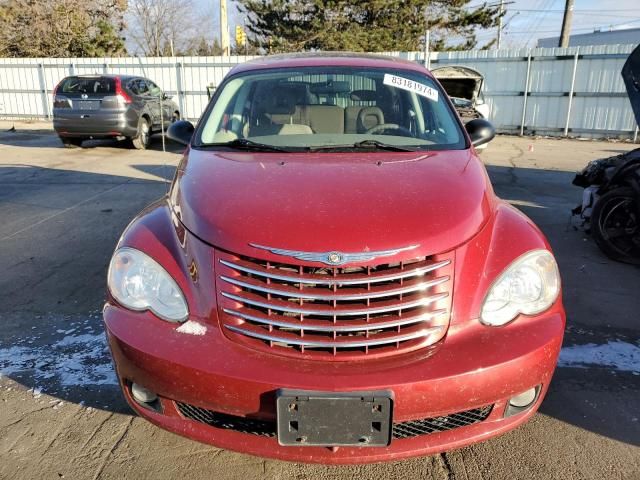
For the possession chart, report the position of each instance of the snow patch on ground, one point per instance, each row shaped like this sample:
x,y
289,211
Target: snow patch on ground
x,y
192,328
616,354
73,360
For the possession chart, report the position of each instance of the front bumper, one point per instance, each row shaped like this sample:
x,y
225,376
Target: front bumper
x,y
477,366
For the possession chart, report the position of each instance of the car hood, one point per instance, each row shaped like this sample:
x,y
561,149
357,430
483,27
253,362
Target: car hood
x,y
351,202
459,81
631,77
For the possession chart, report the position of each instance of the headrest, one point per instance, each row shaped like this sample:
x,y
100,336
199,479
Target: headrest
x,y
368,118
278,99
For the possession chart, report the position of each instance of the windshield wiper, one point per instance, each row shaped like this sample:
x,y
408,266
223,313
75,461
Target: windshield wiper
x,y
366,145
248,145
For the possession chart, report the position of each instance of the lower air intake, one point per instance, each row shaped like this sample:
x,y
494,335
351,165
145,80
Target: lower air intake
x,y
410,429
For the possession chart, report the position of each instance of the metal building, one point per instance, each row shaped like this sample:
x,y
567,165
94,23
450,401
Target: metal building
x,y
598,37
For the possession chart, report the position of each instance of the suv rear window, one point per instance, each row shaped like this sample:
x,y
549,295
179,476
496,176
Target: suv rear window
x,y
88,85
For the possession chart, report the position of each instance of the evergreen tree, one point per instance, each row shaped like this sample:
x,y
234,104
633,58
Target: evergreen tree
x,y
365,25
69,28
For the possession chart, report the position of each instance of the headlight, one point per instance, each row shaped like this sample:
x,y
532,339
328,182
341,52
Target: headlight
x,y
138,282
528,286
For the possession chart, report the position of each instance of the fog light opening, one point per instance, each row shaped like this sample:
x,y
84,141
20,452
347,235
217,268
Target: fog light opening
x,y
143,395
522,401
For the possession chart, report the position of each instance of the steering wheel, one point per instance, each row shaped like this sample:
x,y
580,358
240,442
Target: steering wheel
x,y
389,126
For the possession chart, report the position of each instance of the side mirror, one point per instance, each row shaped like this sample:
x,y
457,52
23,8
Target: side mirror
x,y
165,96
480,131
181,132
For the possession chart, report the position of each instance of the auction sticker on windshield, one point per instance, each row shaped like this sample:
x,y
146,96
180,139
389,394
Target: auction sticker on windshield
x,y
411,86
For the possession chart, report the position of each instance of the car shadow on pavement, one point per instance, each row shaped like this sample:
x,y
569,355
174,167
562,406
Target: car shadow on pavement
x,y
58,230
51,336
49,139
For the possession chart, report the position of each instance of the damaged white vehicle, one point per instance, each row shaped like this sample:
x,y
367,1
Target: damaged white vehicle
x,y
464,87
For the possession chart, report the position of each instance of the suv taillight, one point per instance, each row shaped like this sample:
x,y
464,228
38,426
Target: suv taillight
x,y
121,93
55,89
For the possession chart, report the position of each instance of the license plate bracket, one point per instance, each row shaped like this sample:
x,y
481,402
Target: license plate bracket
x,y
309,418
88,105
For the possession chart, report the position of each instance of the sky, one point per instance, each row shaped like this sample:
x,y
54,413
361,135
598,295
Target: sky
x,y
525,20
528,20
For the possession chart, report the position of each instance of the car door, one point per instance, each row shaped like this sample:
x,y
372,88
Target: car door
x,y
151,102
167,105
631,77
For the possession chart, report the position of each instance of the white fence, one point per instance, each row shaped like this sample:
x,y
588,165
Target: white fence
x,y
575,91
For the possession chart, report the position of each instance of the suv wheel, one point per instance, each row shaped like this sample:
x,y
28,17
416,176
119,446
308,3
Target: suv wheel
x,y
141,142
70,142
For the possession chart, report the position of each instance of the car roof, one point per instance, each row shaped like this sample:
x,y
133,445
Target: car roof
x,y
103,75
328,59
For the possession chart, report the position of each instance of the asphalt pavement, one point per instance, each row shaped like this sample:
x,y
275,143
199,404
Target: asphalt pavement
x,y
62,415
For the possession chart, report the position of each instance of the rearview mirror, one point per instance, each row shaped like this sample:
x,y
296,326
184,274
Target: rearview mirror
x,y
480,131
181,132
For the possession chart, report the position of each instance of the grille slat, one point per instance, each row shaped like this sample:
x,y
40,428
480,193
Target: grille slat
x,y
401,430
327,311
337,342
324,294
339,312
343,326
272,273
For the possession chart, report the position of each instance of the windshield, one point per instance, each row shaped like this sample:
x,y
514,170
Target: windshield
x,y
88,85
331,108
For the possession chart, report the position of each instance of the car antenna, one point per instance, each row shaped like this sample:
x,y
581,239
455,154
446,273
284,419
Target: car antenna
x,y
164,147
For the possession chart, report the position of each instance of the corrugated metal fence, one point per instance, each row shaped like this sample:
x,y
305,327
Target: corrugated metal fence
x,y
573,91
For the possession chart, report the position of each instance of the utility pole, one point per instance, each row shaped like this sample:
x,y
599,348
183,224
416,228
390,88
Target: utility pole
x,y
427,41
566,24
427,50
499,42
224,29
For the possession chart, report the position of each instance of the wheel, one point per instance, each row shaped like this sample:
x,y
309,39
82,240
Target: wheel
x,y
71,142
615,225
141,142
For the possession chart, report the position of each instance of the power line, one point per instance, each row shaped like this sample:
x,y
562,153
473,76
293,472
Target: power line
x,y
577,11
586,14
540,20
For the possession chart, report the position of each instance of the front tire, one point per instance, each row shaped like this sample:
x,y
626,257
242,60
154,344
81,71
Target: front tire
x,y
142,140
615,225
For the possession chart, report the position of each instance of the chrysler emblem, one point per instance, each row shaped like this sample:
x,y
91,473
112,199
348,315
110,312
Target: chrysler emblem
x,y
333,257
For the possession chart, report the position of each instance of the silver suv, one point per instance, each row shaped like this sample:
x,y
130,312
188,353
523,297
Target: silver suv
x,y
110,106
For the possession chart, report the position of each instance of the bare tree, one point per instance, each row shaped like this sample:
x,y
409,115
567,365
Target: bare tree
x,y
161,27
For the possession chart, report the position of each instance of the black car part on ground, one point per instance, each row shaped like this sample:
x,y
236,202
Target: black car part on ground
x,y
610,206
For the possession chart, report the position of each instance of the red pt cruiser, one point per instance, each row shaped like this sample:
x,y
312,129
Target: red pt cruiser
x,y
331,277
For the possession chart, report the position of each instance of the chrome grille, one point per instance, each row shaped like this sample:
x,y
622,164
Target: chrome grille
x,y
335,312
